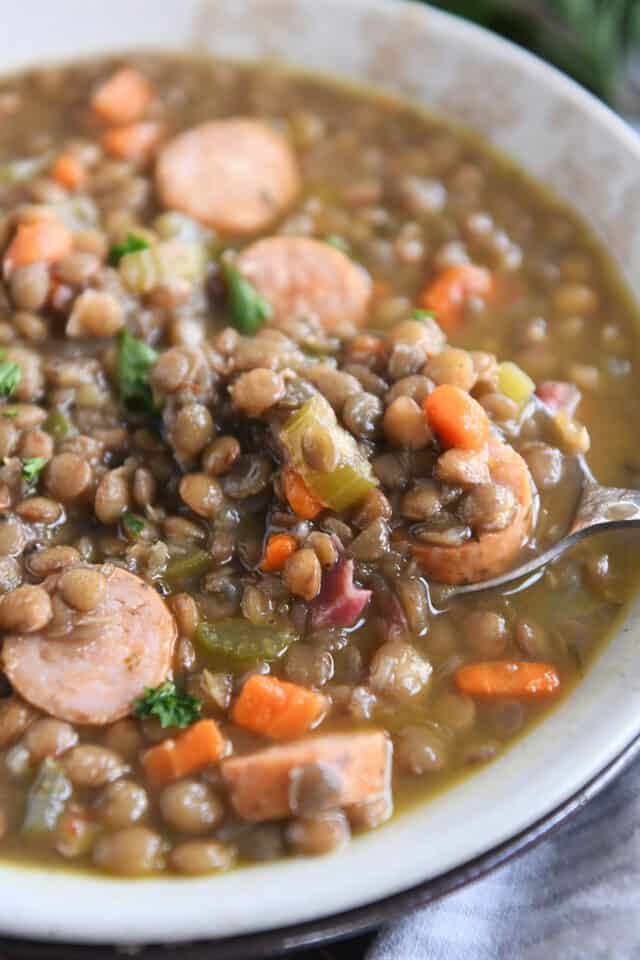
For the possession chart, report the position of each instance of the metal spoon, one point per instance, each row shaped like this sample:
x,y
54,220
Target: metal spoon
x,y
597,509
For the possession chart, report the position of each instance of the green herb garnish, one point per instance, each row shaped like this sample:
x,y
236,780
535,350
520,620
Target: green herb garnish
x,y
248,308
32,467
10,374
133,525
131,244
423,315
172,706
135,359
9,412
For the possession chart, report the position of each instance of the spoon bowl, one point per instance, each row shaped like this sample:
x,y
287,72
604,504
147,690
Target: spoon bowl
x,y
597,509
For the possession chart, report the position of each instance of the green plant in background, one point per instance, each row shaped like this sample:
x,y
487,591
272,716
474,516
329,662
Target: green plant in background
x,y
590,39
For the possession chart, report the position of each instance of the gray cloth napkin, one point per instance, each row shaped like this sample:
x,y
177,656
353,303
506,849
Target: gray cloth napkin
x,y
575,896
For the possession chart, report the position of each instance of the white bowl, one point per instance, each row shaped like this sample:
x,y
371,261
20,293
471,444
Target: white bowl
x,y
565,138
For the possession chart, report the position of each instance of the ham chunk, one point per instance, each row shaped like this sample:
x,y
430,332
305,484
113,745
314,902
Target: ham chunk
x,y
260,783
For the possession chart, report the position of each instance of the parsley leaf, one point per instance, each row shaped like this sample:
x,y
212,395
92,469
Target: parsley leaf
x,y
248,308
171,705
135,359
9,412
422,315
32,467
133,525
131,244
10,374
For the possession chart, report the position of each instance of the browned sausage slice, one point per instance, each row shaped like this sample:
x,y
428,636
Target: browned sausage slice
x,y
259,782
89,667
492,553
235,175
308,280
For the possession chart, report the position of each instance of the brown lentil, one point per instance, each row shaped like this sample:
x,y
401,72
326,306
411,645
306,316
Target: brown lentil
x,y
201,493
26,610
302,574
83,589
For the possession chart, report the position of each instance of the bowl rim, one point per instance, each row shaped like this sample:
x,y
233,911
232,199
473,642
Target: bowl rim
x,y
360,920
366,912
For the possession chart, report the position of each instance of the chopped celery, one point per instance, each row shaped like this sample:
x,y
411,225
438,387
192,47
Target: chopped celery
x,y
143,270
515,383
352,478
191,564
57,425
46,798
242,640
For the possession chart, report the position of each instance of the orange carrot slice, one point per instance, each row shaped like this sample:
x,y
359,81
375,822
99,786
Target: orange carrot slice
x,y
456,418
279,548
133,141
123,97
504,678
199,745
277,709
45,240
301,499
448,294
69,172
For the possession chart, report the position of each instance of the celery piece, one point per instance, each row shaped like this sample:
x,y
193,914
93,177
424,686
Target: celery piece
x,y
353,477
191,564
515,383
57,425
143,270
46,798
242,640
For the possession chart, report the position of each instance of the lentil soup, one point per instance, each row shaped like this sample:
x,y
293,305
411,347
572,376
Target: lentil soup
x,y
281,362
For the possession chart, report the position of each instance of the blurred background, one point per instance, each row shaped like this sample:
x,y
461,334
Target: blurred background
x,y
595,41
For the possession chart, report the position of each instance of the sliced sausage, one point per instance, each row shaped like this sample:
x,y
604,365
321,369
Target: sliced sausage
x,y
308,280
491,553
88,667
260,783
235,175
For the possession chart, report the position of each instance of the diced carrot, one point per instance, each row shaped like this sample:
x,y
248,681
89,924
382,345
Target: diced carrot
x,y
302,501
69,172
279,548
456,418
133,141
503,678
277,709
199,745
45,240
367,345
449,293
123,97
